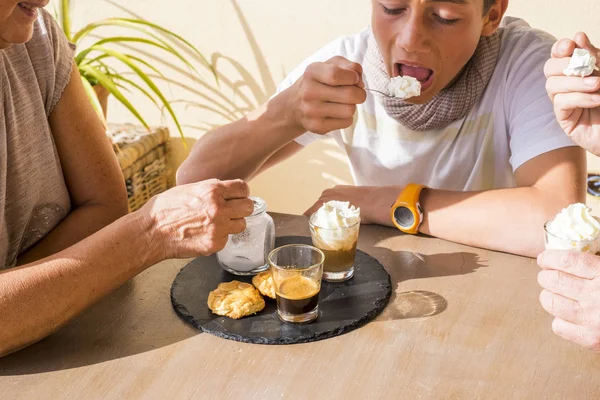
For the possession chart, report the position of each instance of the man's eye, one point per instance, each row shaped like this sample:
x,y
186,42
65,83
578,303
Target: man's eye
x,y
392,11
445,21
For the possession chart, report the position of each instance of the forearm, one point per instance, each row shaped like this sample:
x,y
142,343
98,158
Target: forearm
x,y
508,220
38,298
82,222
239,149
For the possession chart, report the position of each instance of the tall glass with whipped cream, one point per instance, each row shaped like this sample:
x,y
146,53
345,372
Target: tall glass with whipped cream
x,y
334,230
574,228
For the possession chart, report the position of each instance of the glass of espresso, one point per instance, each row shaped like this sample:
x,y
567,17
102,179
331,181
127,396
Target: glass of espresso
x,y
339,247
297,271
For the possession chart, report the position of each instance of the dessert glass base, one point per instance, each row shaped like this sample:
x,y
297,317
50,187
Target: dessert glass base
x,y
245,273
338,276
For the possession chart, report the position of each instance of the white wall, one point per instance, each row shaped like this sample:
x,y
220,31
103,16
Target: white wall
x,y
267,38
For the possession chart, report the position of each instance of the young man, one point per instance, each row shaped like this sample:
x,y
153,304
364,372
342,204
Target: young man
x,y
481,137
571,281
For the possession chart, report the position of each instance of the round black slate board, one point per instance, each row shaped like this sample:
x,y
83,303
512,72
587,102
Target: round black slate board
x,y
342,306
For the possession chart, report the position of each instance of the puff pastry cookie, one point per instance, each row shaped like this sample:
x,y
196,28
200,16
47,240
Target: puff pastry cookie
x,y
235,300
264,283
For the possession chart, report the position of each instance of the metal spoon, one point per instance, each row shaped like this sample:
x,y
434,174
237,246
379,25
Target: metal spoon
x,y
381,93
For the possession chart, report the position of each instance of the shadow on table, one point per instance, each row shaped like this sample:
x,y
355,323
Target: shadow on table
x,y
125,323
406,266
415,304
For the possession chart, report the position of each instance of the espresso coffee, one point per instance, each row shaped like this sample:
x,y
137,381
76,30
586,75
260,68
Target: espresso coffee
x,y
297,295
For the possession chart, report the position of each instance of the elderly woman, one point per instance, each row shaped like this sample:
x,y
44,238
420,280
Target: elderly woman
x,y
59,180
60,186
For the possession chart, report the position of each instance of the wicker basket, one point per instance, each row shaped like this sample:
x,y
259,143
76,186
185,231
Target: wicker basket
x,y
143,156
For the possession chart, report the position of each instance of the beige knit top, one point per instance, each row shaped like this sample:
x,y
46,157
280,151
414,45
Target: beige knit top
x,y
33,194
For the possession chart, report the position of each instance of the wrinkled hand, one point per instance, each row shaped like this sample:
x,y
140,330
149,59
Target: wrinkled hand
x,y
370,199
571,283
325,97
576,100
196,219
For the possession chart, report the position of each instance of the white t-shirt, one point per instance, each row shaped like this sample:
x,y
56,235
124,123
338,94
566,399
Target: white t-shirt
x,y
511,124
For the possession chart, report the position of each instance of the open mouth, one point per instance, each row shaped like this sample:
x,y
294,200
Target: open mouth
x,y
29,9
422,74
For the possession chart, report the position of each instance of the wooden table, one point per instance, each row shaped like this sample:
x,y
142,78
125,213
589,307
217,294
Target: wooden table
x,y
463,323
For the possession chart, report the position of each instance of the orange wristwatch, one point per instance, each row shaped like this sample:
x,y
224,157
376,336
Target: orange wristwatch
x,y
406,212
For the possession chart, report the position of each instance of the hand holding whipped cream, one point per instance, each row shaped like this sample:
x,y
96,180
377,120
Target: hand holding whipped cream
x,y
574,228
404,87
582,64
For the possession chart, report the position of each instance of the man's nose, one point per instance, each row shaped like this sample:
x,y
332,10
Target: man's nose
x,y
412,34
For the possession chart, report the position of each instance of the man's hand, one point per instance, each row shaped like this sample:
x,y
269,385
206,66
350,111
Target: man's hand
x,y
196,219
374,202
571,283
325,97
576,100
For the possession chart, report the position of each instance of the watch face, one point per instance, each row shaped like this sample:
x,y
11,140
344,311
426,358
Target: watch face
x,y
404,217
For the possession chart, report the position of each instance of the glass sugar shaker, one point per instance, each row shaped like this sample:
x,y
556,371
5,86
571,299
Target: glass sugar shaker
x,y
246,253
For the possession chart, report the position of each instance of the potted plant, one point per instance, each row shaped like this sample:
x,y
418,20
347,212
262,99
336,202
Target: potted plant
x,y
95,61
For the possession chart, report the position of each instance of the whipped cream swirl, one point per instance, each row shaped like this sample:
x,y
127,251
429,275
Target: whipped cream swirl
x,y
582,64
336,214
335,225
574,228
404,87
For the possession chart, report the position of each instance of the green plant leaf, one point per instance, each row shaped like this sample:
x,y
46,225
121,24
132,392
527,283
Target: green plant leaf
x,y
91,93
115,22
160,43
84,53
80,58
139,60
175,36
99,66
131,22
144,77
65,14
134,58
105,81
138,24
107,69
122,86
138,87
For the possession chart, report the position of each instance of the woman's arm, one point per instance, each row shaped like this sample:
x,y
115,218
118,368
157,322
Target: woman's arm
x,y
38,298
91,172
